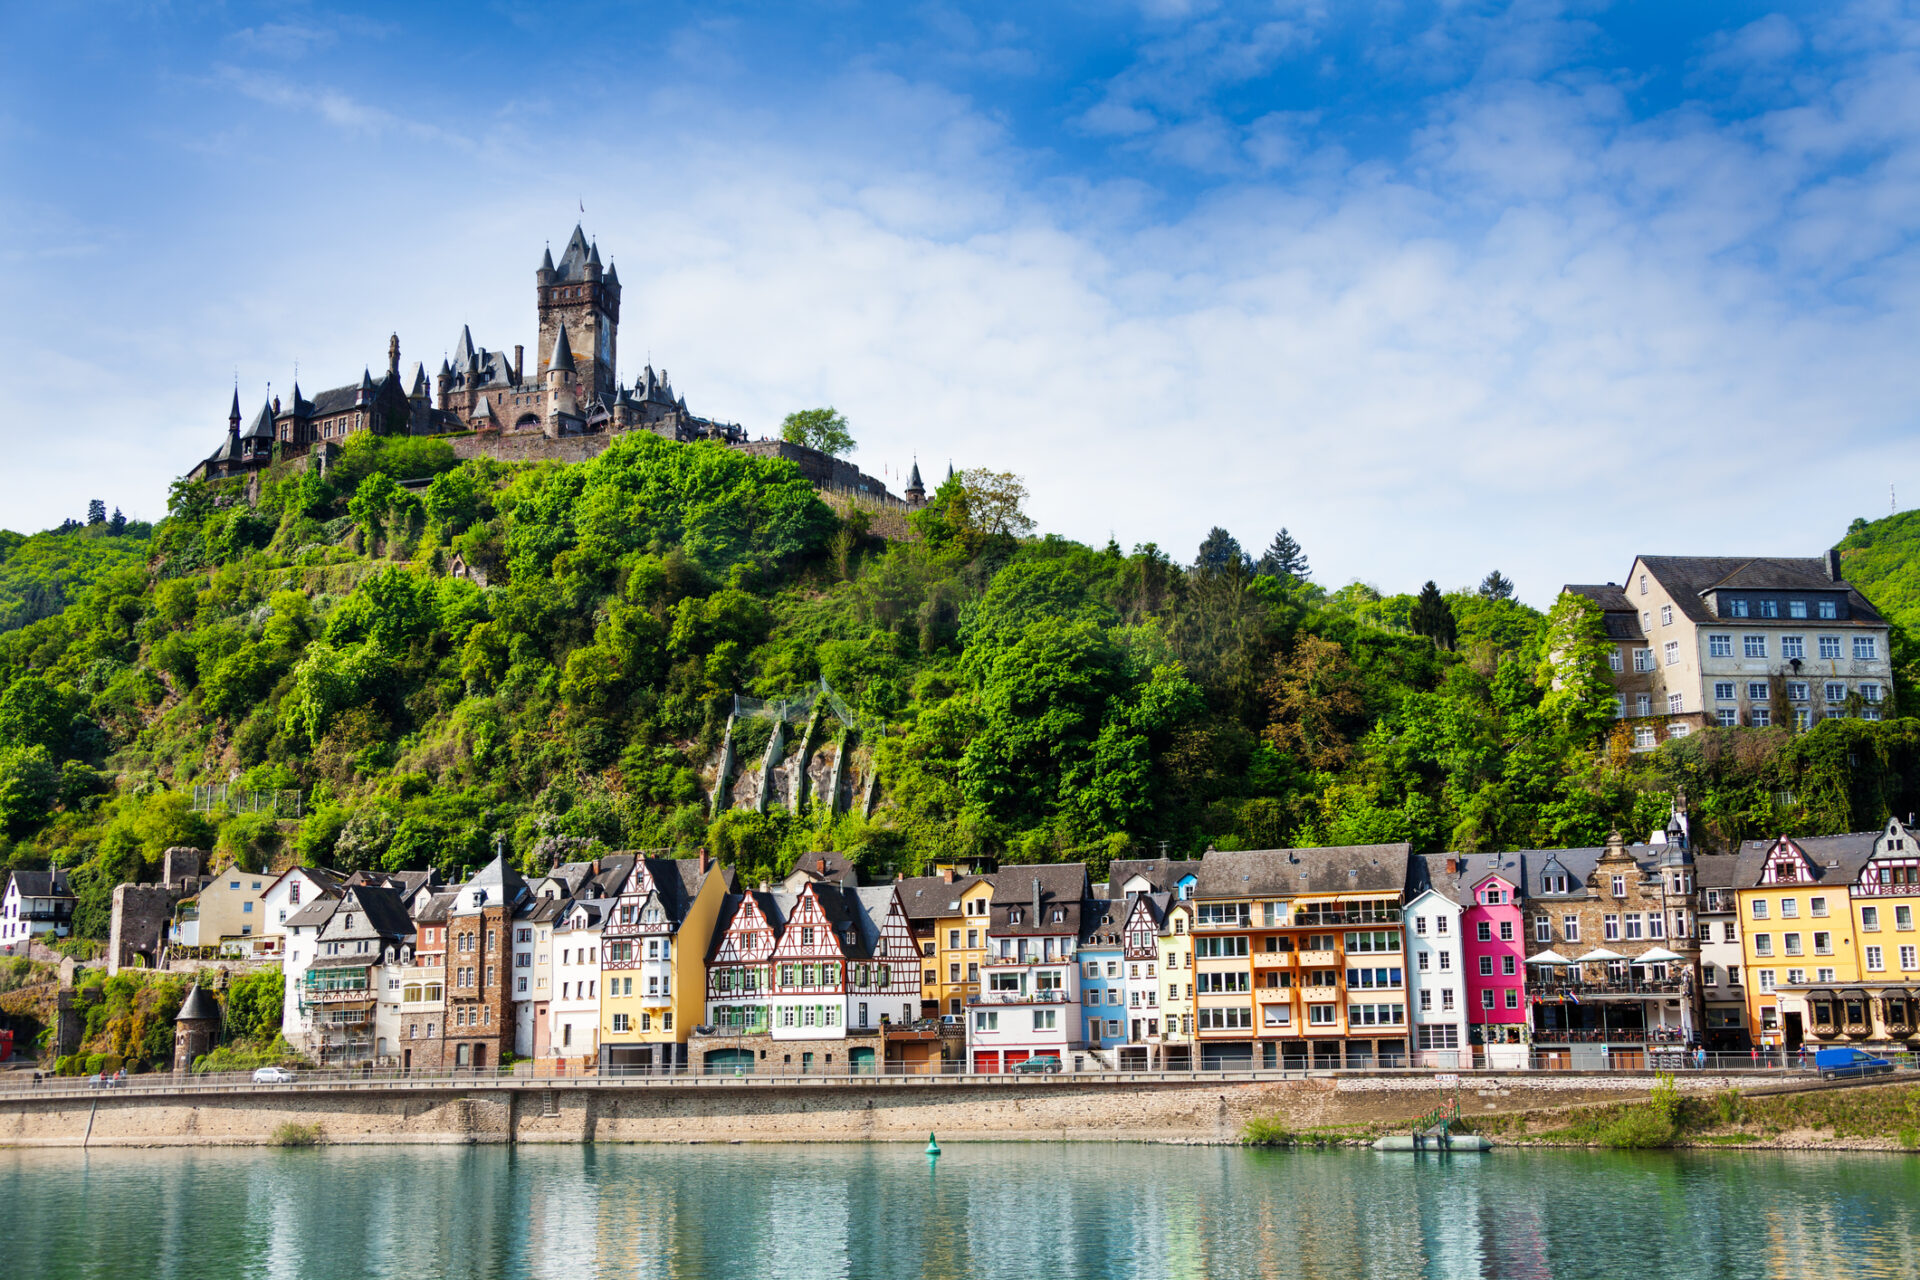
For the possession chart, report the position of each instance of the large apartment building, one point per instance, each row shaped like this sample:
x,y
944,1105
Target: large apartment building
x,y
1733,640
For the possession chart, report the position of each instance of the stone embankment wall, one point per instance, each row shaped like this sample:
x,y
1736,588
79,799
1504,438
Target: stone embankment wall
x,y
749,1111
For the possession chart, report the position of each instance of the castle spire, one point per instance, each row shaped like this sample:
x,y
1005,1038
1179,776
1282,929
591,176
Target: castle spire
x,y
562,353
233,414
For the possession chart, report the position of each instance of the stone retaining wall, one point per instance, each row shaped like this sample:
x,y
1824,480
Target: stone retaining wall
x,y
747,1111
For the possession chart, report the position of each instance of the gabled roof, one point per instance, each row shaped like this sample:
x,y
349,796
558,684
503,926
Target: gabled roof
x,y
261,428
381,906
314,914
498,876
328,882
1363,868
1836,860
573,262
1689,578
435,909
1428,872
1162,873
1062,885
929,897
834,868
42,884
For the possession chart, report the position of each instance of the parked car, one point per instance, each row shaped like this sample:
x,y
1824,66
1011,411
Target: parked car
x,y
274,1075
1045,1064
1837,1063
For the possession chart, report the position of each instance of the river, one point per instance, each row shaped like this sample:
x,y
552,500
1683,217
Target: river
x,y
985,1211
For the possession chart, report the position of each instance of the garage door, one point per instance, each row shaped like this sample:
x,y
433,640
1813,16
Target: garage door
x,y
1016,1056
987,1062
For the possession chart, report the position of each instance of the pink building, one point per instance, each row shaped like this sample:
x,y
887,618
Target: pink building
x,y
1494,943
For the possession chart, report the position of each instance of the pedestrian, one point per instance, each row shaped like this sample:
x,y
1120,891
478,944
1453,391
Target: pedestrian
x,y
1700,1058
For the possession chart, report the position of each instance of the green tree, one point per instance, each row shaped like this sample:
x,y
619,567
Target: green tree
x,y
822,429
1433,618
1283,558
1496,586
34,714
1219,552
1576,672
29,784
96,512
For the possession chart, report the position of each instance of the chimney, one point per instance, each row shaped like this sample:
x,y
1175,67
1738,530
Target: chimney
x,y
821,863
1036,899
1833,564
946,875
899,876
519,361
705,860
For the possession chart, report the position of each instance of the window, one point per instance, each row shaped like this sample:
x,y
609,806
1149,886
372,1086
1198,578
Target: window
x,y
1643,584
621,1024
1719,646
1426,1002
1796,608
1763,944
1570,928
1676,703
1907,959
1423,961
1876,959
1865,648
1376,1015
1643,659
1483,932
1793,646
1610,928
1726,719
1817,906
1766,984
1643,737
1320,1015
1789,908
1614,660
1486,966
1737,609
1506,931
1446,1000
1823,944
1507,964
1666,615
1769,608
1419,926
986,1020
1542,929
1440,925
1868,693
1443,1037
1646,620
1753,646
1276,1015
1760,717
1633,926
1446,961
1619,886
1723,690
1793,944
1759,908
1045,1019
1903,918
1487,998
1757,690
1673,652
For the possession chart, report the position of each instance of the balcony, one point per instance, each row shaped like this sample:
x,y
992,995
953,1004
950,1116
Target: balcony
x,y
1274,959
1318,960
1613,1035
1236,923
1623,989
1319,993
1019,997
1026,958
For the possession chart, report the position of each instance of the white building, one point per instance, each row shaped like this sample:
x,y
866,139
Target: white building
x,y
297,887
574,1016
302,945
37,903
1723,988
1436,975
1029,1004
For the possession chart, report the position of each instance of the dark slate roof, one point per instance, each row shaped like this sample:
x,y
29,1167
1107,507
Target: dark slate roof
x,y
832,867
42,884
573,262
1364,868
874,902
1429,871
314,914
1101,921
1622,620
930,897
382,908
1161,873
435,909
562,353
613,873
596,909
498,877
198,1007
261,428
1716,870
1689,578
1837,860
1062,884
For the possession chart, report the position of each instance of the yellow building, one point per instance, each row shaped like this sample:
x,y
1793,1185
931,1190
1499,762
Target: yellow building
x,y
948,914
653,958
1176,987
1798,937
229,912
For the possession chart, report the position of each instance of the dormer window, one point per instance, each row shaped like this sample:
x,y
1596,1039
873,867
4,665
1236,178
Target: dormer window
x,y
1013,916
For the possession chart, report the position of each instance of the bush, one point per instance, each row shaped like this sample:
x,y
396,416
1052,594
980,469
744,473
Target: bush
x,y
1268,1131
1639,1128
249,1055
292,1134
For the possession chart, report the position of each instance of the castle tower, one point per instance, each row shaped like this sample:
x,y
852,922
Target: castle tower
x,y
561,372
579,296
195,1028
916,492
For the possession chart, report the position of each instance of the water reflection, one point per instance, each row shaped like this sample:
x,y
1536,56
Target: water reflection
x,y
1016,1210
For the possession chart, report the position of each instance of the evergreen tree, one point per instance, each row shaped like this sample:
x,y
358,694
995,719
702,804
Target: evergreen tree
x,y
1284,558
1432,617
117,525
1220,552
96,512
1496,586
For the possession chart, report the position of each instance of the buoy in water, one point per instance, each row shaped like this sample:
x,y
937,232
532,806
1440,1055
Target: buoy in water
x,y
933,1148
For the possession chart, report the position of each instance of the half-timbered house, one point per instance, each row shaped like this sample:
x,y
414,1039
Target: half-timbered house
x,y
340,992
653,950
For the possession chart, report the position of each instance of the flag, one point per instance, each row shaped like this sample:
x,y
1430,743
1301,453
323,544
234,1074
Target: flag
x,y
1573,997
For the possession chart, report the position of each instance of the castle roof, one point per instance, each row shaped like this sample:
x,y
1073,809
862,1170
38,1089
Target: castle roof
x,y
546,259
562,352
198,1007
262,426
234,415
482,409
574,262
913,481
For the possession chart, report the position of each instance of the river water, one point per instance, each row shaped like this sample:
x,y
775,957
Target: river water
x,y
985,1211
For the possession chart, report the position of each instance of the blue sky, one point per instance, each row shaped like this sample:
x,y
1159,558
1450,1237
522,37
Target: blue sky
x,y
1440,287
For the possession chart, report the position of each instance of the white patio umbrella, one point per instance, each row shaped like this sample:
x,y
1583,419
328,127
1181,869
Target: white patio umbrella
x,y
1598,954
1659,955
1548,957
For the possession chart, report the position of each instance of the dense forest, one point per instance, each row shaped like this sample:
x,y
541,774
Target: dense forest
x,y
1023,696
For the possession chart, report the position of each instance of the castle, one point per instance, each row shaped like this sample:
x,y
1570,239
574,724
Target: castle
x,y
574,395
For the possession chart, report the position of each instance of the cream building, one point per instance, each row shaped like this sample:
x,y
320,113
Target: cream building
x,y
1740,641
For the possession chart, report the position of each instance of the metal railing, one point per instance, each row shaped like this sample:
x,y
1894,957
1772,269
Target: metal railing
x,y
18,1085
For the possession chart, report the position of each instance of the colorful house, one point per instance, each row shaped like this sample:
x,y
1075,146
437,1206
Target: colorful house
x,y
1494,947
653,950
1030,1002
1436,975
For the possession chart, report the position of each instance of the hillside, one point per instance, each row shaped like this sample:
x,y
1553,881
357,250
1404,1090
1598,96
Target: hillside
x,y
1882,558
1019,696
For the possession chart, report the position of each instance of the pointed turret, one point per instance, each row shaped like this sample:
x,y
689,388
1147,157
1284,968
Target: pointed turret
x,y
364,393
574,262
483,414
916,492
233,414
593,254
613,274
262,426
562,354
464,354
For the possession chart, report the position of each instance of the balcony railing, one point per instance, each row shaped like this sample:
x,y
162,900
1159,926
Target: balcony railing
x,y
1273,959
1318,960
1019,997
1622,987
